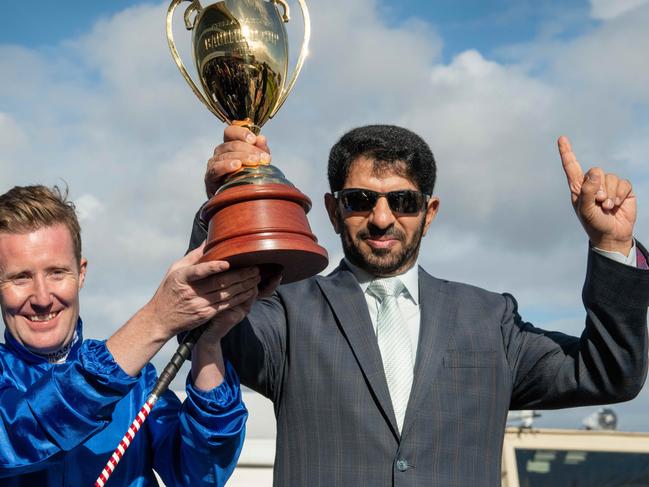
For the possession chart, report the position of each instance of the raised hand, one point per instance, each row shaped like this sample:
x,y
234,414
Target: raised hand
x,y
191,294
194,293
240,147
208,367
605,204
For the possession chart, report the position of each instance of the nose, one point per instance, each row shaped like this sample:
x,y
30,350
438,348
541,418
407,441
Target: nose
x,y
41,296
381,215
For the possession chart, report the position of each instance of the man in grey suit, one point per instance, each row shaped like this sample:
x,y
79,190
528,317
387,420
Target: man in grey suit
x,y
356,403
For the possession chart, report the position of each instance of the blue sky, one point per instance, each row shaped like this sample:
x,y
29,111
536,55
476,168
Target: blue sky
x,y
89,95
44,23
462,24
493,23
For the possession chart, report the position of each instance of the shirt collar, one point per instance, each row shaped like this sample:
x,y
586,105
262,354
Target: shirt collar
x,y
410,279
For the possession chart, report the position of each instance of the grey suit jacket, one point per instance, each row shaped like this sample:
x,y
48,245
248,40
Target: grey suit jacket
x,y
312,350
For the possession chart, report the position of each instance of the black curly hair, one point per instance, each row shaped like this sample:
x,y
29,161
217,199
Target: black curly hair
x,y
391,148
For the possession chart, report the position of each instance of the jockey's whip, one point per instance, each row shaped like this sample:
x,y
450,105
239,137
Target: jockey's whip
x,y
182,353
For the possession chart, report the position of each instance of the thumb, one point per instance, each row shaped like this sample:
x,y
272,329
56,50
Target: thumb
x,y
592,184
262,143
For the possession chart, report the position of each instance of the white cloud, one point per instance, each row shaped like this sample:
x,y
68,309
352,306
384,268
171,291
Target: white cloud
x,y
12,136
88,207
609,9
610,64
13,140
123,129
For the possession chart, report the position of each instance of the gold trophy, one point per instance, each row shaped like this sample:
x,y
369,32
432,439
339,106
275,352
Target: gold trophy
x,y
240,49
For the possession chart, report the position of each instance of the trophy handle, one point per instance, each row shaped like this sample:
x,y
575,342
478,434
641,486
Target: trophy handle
x,y
303,51
287,11
195,7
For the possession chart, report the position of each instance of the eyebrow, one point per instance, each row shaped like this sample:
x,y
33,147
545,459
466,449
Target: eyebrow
x,y
11,275
50,268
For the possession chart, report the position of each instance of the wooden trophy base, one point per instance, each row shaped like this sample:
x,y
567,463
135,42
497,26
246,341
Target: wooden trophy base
x,y
263,225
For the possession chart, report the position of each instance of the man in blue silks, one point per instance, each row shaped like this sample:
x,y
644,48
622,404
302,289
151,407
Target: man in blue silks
x,y
65,402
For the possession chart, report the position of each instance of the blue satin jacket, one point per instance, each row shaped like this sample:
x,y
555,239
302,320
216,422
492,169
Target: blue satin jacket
x,y
59,424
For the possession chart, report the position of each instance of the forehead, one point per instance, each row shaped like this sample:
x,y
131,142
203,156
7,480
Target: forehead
x,y
43,247
365,173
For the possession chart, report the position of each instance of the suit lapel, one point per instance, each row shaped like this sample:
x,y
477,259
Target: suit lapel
x,y
348,303
436,326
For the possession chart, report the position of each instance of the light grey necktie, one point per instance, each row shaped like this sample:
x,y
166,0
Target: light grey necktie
x,y
394,344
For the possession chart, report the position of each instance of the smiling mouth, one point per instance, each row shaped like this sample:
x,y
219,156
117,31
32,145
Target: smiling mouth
x,y
42,318
381,242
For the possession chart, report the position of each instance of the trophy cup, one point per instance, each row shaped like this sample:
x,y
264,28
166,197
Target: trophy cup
x,y
240,50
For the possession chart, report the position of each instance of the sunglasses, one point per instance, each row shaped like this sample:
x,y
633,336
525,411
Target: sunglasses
x,y
405,201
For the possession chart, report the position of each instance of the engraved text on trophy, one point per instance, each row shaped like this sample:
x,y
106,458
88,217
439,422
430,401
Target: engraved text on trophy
x,y
242,61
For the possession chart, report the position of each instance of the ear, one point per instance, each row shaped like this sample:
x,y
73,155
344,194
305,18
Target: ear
x,y
431,212
332,210
83,266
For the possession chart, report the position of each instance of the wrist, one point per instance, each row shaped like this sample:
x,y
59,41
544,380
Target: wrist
x,y
609,245
135,343
206,350
208,367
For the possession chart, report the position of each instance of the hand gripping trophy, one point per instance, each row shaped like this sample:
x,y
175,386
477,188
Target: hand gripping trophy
x,y
240,49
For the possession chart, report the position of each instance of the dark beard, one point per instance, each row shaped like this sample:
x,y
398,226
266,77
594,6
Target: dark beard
x,y
380,262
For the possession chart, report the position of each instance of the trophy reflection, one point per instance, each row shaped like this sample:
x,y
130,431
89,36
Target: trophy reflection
x,y
240,50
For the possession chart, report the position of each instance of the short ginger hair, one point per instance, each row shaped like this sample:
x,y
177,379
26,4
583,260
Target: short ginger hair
x,y
24,209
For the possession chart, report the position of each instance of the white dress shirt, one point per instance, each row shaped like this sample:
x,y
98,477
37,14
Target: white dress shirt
x,y
631,259
408,301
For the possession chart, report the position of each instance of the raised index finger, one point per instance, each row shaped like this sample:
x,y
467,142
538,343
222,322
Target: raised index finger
x,y
570,164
